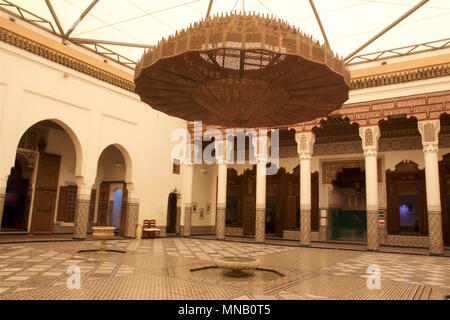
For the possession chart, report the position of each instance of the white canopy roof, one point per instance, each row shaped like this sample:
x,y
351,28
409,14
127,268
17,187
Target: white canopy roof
x,y
347,23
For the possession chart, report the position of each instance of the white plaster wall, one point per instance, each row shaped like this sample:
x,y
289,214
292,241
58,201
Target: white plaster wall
x,y
201,194
95,115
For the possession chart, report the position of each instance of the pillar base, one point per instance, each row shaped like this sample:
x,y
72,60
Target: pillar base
x,y
260,225
132,220
220,224
187,221
435,232
305,245
436,254
81,218
305,227
373,233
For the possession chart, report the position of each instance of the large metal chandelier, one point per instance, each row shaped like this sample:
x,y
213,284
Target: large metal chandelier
x,y
242,70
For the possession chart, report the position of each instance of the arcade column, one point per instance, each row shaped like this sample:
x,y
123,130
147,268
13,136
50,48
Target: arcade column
x,y
261,149
189,171
220,146
82,211
305,144
370,136
429,129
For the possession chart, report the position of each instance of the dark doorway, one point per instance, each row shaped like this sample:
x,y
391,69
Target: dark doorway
x,y
172,213
444,171
15,208
349,219
271,212
406,200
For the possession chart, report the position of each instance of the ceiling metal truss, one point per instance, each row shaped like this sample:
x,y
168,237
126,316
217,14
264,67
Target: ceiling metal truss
x,y
28,16
400,52
99,46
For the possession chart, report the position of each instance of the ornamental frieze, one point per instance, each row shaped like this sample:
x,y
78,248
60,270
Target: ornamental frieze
x,y
423,107
401,77
38,49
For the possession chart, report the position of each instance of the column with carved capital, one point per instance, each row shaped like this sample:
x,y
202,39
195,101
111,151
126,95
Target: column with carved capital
x,y
305,145
260,147
3,183
82,211
429,129
189,171
370,136
220,146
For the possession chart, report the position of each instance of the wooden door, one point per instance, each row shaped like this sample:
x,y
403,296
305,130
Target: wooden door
x,y
48,172
444,170
92,205
44,208
123,211
315,212
281,203
291,213
63,203
45,194
103,204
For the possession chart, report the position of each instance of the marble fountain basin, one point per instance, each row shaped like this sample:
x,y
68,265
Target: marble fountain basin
x,y
237,263
103,232
236,269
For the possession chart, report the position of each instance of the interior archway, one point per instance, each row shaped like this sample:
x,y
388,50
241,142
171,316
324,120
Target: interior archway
x,y
113,172
41,189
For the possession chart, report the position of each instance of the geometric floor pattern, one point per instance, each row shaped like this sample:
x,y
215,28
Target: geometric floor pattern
x,y
207,250
432,271
160,269
25,268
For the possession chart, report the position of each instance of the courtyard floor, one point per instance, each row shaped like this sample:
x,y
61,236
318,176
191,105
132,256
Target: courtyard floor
x,y
161,269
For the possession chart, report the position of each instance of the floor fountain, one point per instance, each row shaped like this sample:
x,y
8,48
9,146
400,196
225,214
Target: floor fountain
x,y
236,269
237,265
103,233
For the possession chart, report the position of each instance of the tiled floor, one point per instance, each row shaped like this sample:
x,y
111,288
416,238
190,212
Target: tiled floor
x,y
160,269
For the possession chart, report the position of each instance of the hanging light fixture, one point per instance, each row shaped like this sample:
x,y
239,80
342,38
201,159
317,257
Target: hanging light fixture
x,y
240,70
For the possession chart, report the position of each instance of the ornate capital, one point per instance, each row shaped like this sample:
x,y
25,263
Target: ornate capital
x,y
261,145
262,158
370,153
84,189
305,143
370,136
305,156
429,130
220,146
